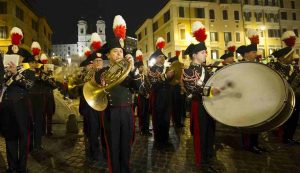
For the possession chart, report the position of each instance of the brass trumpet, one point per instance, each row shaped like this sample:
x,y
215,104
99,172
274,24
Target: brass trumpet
x,y
95,95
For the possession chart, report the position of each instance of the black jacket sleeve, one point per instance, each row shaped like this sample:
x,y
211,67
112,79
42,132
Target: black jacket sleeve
x,y
1,69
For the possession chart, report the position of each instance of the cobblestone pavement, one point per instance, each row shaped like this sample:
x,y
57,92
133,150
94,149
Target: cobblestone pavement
x,y
65,153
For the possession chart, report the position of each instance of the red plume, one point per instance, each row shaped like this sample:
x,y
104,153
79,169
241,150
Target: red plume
x,y
96,45
161,45
254,39
16,38
139,58
177,53
231,49
120,31
35,51
200,35
290,42
87,53
44,61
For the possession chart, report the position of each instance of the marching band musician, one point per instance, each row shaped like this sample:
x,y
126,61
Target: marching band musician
x,y
15,106
193,81
177,96
143,98
37,102
49,85
284,66
249,53
228,58
160,93
118,120
92,118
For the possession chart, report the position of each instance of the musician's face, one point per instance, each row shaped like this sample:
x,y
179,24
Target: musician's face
x,y
229,60
141,69
160,59
21,59
90,66
251,56
200,57
115,55
98,63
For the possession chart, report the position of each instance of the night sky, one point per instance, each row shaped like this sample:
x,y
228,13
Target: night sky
x,y
64,14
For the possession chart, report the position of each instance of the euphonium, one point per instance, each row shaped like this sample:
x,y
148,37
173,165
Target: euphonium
x,y
95,95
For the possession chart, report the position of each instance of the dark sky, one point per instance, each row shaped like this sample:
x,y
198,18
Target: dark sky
x,y
64,14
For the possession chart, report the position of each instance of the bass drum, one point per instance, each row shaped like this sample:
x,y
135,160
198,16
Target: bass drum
x,y
254,97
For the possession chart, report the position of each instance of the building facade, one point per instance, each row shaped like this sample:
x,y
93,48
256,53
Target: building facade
x,y
19,13
64,50
84,39
130,44
225,20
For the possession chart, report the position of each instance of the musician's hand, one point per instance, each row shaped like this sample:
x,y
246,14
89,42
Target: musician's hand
x,y
215,91
170,74
12,67
131,61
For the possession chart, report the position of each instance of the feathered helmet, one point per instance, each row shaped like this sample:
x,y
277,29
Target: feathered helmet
x,y
96,41
119,29
35,48
44,58
289,38
199,32
139,55
253,36
16,36
87,51
160,43
139,59
231,47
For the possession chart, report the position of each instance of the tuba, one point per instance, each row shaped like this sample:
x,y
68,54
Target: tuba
x,y
95,95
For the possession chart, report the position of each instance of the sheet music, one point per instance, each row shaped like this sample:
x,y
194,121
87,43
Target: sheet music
x,y
49,67
11,58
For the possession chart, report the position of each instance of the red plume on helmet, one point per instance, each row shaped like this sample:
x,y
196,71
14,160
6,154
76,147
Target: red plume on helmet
x,y
253,36
119,27
199,31
139,55
16,36
160,43
87,51
44,59
231,47
289,38
35,48
96,41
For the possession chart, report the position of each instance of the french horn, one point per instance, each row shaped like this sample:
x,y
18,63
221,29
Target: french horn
x,y
95,94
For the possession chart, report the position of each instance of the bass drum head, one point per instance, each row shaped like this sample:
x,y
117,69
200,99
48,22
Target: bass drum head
x,y
253,94
278,120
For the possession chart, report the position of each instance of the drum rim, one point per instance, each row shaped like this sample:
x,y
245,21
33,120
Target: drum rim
x,y
269,119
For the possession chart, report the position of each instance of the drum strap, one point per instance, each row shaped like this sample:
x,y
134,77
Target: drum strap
x,y
202,75
200,81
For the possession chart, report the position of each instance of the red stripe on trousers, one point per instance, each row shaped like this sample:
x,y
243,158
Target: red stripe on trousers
x,y
152,100
107,146
196,130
